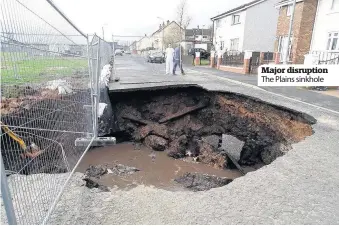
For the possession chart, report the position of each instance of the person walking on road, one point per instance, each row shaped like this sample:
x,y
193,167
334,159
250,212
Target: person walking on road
x,y
169,59
178,60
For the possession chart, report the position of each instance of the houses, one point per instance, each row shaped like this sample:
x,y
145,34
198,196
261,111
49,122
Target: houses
x,y
325,38
301,35
143,44
251,26
167,33
197,38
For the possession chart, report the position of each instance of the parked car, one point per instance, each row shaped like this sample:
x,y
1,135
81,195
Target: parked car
x,y
127,52
203,53
156,57
118,52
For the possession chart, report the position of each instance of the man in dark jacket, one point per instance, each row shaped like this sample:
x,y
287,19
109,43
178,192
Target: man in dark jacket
x,y
178,59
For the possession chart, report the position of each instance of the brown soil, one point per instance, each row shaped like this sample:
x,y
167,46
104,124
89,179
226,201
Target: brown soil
x,y
170,125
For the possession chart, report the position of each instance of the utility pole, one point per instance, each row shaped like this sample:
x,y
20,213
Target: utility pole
x,y
163,25
103,33
286,55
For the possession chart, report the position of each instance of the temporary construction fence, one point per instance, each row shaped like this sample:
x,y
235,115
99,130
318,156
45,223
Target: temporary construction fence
x,y
50,74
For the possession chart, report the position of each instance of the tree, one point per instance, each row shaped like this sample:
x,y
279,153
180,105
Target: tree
x,y
183,19
175,34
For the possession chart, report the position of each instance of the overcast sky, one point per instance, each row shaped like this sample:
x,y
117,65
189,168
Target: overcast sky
x,y
137,17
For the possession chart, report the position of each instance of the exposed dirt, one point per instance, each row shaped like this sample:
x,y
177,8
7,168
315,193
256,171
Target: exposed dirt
x,y
49,116
177,121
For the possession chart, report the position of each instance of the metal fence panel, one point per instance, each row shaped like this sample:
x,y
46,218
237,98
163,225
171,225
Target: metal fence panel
x,y
233,59
45,89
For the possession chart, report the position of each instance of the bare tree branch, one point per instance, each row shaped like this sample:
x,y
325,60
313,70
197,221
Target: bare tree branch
x,y
183,19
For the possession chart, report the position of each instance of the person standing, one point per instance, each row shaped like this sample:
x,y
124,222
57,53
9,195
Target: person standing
x,y
169,59
178,59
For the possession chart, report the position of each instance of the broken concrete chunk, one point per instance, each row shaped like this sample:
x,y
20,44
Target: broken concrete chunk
x,y
270,153
212,140
154,129
120,170
156,143
208,155
96,171
93,183
232,146
178,147
201,182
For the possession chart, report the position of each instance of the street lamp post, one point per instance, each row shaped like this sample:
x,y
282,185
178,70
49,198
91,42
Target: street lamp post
x,y
162,43
103,32
202,32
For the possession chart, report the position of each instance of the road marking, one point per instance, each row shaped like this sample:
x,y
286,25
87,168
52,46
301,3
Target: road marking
x,y
276,94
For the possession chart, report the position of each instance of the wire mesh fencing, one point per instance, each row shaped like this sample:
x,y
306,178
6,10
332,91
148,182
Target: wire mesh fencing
x,y
46,104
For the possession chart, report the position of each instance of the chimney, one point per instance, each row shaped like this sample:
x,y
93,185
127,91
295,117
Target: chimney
x,y
160,26
163,24
168,22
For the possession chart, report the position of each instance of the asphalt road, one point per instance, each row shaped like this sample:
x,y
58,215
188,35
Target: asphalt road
x,y
300,187
292,92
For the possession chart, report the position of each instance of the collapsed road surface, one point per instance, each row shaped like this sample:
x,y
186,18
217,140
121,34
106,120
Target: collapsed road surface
x,y
299,187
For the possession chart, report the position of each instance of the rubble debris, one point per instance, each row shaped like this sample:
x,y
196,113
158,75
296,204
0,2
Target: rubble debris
x,y
133,119
190,121
178,147
208,155
156,143
120,170
213,140
270,153
93,183
201,182
235,162
232,146
96,171
154,129
62,86
183,112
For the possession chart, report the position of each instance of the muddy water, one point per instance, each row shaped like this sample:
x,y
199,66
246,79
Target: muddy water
x,y
159,171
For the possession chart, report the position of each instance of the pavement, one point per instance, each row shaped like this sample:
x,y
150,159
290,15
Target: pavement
x,y
300,187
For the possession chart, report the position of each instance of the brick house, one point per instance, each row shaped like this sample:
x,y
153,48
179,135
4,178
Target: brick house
x,y
301,36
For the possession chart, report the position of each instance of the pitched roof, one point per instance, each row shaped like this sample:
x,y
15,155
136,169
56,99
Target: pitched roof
x,y
160,29
196,31
285,2
239,8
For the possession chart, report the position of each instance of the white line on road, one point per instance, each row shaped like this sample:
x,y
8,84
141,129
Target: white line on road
x,y
276,94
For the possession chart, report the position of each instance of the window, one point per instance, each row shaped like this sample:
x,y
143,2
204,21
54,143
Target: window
x,y
335,5
197,36
289,10
218,23
234,44
236,19
222,45
332,41
204,36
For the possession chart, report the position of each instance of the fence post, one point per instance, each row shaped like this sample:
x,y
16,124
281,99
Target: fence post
x,y
6,196
113,65
261,58
212,59
219,61
97,90
247,62
276,58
